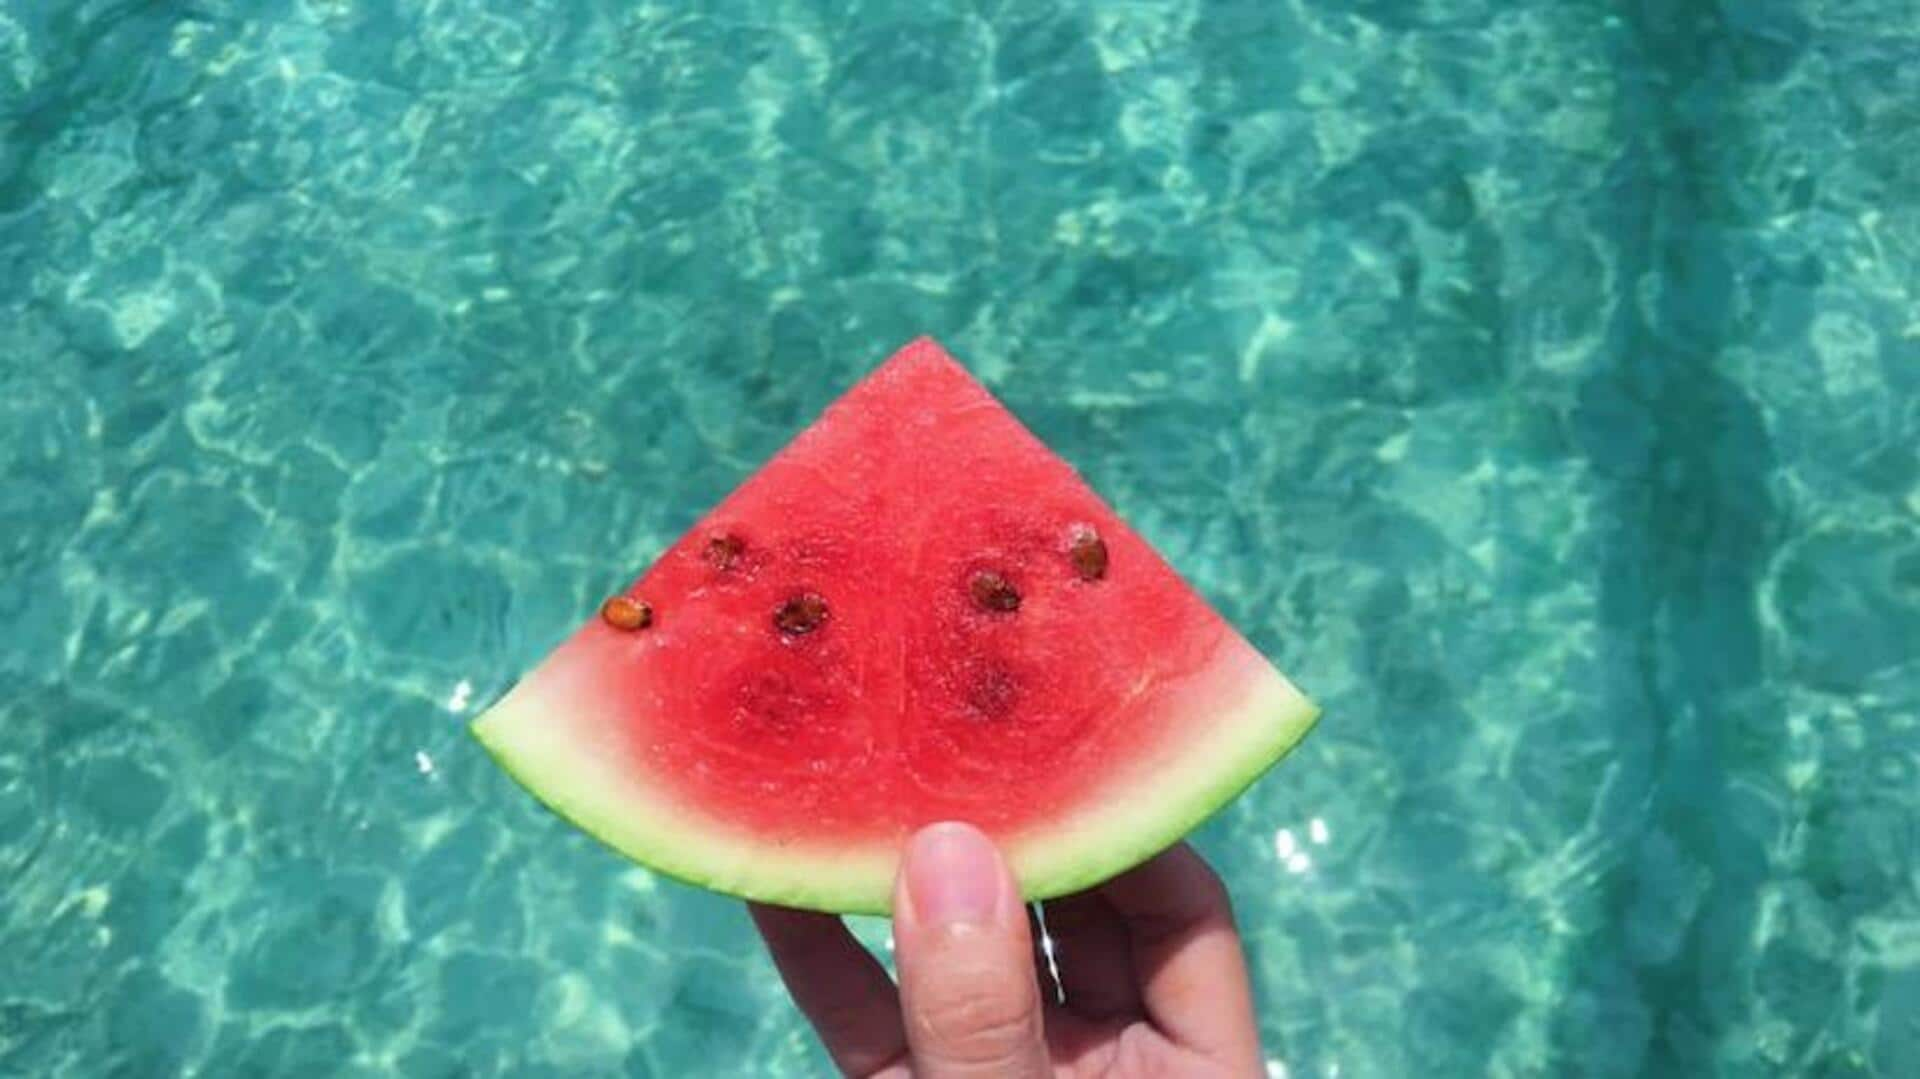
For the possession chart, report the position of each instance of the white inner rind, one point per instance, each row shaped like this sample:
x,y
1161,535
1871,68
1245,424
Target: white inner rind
x,y
559,740
1238,717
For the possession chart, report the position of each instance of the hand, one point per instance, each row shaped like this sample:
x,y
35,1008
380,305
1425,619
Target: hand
x,y
1150,963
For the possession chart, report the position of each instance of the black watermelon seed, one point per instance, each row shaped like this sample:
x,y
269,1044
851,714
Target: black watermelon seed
x,y
992,592
1088,552
802,614
723,550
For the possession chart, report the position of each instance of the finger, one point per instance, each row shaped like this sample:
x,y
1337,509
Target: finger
x,y
967,981
839,986
1186,952
1091,951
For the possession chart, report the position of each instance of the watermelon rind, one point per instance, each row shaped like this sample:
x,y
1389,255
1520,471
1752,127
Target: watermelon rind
x,y
548,735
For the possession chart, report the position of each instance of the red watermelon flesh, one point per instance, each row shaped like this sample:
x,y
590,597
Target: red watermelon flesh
x,y
915,612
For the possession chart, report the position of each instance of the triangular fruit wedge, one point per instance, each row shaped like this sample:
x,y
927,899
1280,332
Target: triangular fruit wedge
x,y
915,612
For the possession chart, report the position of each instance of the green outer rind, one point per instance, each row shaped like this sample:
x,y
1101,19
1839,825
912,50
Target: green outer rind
x,y
664,861
544,737
1293,718
1107,838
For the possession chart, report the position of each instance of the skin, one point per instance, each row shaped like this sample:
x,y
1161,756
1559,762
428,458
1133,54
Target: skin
x,y
1152,968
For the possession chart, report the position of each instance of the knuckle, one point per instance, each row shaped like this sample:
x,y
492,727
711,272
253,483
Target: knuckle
x,y
980,1017
1205,904
1218,899
1212,890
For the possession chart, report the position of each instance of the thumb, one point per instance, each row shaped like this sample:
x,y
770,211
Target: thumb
x,y
968,987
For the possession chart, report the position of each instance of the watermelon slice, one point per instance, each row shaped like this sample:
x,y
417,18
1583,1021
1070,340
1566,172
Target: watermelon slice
x,y
914,612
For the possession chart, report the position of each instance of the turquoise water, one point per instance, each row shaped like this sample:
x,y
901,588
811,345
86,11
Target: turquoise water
x,y
1538,381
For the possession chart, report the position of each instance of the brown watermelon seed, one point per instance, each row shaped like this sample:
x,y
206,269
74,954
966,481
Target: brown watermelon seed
x,y
1088,552
801,614
626,613
992,592
723,549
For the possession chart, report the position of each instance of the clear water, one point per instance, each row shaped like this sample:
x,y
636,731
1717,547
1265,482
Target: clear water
x,y
1537,380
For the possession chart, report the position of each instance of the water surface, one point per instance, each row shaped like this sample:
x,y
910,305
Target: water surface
x,y
1538,381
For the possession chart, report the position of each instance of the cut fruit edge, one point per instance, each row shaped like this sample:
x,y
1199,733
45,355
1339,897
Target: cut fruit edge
x,y
554,739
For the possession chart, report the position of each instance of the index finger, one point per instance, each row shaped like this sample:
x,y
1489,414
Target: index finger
x,y
840,987
1187,953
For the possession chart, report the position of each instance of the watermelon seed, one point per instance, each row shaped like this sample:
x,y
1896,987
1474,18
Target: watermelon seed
x,y
1088,552
723,549
992,592
801,614
626,613
992,692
